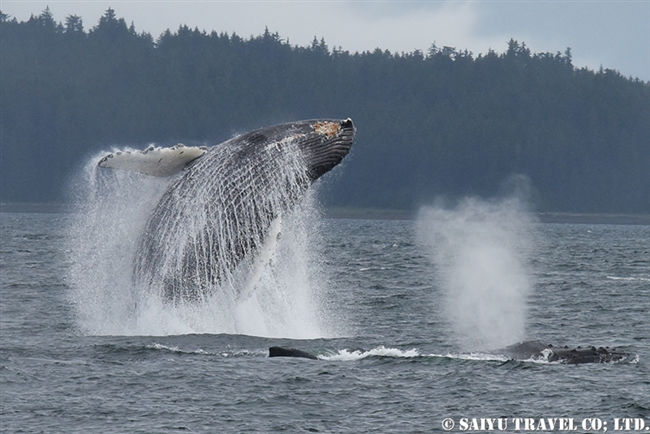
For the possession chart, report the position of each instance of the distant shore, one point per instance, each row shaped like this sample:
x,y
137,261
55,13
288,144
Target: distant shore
x,y
543,217
381,214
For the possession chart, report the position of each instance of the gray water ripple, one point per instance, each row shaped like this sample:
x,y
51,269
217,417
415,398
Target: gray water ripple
x,y
406,377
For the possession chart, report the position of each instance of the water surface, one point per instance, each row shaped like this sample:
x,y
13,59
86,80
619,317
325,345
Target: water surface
x,y
391,360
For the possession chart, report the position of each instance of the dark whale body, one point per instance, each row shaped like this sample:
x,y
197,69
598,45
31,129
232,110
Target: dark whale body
x,y
537,350
214,218
290,352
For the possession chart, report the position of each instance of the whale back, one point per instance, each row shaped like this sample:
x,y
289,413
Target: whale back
x,y
538,350
219,211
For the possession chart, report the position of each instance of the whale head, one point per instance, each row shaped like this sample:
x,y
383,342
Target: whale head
x,y
325,146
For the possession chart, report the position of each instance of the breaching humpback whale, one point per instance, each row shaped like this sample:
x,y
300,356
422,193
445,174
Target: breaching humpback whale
x,y
228,202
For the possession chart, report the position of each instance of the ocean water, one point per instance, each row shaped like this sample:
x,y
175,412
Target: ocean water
x,y
403,315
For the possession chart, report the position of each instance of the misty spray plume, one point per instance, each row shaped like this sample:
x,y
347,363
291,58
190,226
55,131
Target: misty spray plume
x,y
480,250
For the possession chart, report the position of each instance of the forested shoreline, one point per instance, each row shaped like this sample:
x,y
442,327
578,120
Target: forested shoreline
x,y
445,123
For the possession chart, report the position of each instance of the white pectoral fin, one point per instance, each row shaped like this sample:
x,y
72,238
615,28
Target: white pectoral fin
x,y
154,161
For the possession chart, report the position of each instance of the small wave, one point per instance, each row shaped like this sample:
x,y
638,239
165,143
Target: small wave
x,y
382,351
229,353
543,358
630,279
345,355
239,353
472,356
175,349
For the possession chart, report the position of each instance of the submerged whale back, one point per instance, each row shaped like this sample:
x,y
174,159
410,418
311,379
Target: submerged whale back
x,y
219,212
538,350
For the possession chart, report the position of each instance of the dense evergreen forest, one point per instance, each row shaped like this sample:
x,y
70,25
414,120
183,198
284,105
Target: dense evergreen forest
x,y
442,123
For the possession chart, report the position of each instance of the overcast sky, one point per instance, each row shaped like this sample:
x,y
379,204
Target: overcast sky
x,y
614,34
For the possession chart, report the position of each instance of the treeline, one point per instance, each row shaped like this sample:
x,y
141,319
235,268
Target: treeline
x,y
441,123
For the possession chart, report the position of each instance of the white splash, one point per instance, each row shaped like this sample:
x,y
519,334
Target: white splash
x,y
280,300
381,351
629,279
480,251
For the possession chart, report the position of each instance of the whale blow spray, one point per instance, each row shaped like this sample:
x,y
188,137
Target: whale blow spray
x,y
480,251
